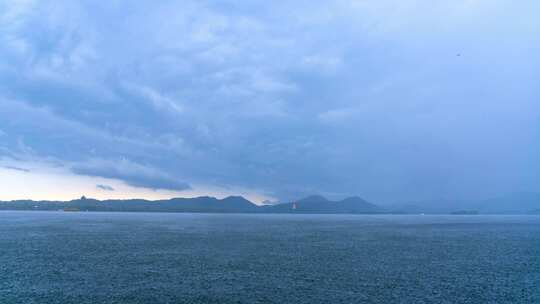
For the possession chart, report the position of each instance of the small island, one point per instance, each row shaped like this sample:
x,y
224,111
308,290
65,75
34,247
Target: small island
x,y
465,212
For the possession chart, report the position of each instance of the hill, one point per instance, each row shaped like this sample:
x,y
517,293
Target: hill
x,y
319,204
231,204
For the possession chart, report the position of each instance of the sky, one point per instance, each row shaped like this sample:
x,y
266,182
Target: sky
x,y
274,100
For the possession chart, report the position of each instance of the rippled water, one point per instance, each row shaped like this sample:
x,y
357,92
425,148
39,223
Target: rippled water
x,y
55,257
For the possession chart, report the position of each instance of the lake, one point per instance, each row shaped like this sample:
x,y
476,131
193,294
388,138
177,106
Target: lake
x,y
63,257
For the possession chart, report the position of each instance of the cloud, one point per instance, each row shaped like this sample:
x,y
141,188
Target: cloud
x,y
341,97
133,174
157,100
16,169
105,187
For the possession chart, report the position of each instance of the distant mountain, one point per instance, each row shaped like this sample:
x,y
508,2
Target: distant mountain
x,y
358,205
517,203
231,204
521,202
439,206
209,204
514,203
465,212
319,204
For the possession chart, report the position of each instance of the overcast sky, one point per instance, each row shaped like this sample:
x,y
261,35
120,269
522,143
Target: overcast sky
x,y
389,100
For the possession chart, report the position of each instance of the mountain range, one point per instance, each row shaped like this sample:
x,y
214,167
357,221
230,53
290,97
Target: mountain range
x,y
231,204
319,204
518,203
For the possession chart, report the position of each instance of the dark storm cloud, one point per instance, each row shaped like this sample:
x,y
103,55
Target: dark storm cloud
x,y
16,168
105,187
133,174
337,98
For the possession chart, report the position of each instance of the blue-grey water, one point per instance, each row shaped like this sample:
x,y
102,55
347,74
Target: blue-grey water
x,y
57,257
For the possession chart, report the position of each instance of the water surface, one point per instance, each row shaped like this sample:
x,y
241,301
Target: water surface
x,y
62,257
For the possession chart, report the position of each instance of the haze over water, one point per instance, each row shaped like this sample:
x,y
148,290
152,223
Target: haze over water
x,y
58,257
